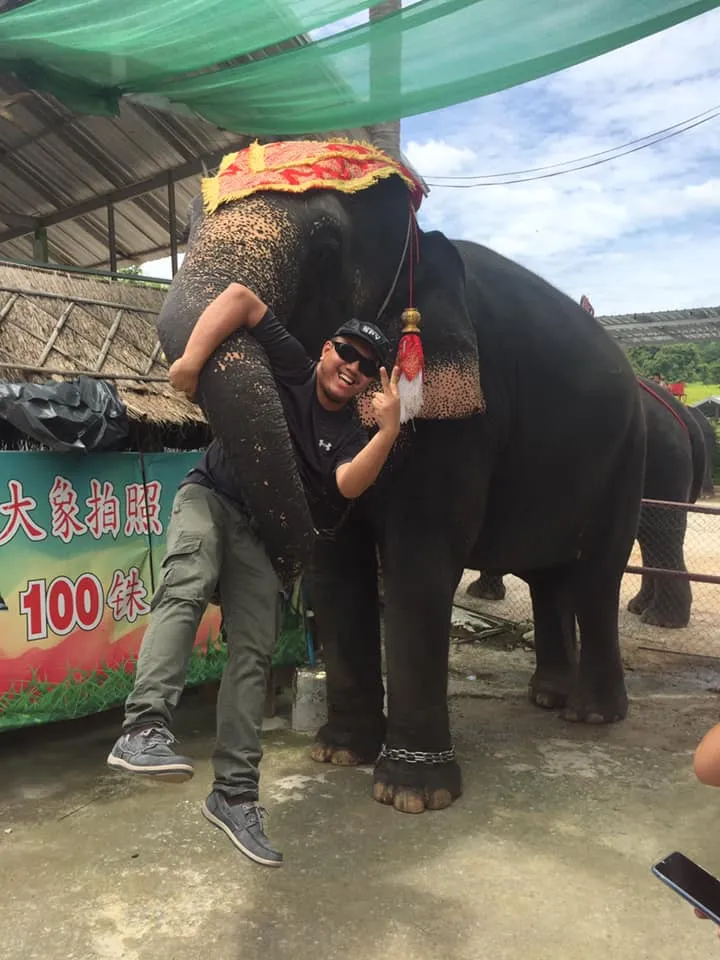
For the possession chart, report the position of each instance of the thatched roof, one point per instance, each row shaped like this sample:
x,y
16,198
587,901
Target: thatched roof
x,y
56,324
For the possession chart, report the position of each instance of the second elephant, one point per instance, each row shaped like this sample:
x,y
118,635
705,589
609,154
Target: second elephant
x,y
675,470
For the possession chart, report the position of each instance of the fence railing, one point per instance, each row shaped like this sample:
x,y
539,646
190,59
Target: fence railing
x,y
671,581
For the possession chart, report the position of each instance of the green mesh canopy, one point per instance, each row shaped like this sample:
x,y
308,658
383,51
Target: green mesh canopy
x,y
429,55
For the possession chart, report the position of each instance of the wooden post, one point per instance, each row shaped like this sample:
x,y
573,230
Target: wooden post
x,y
385,61
172,216
112,240
41,252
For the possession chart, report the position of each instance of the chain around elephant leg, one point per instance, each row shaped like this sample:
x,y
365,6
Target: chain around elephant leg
x,y
413,781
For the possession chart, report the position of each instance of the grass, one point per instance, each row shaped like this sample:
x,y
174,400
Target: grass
x,y
699,391
85,692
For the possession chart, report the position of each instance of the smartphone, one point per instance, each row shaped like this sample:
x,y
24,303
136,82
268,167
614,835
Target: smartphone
x,y
693,883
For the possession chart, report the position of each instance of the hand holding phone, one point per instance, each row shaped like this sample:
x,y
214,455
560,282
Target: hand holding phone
x,y
691,882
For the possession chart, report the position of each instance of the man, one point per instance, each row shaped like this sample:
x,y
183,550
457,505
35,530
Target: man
x,y
211,543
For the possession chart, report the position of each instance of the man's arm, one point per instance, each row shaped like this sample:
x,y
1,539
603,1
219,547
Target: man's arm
x,y
354,478
234,308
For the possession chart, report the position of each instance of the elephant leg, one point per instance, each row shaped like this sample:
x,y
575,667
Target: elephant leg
x,y
555,639
599,695
417,770
345,598
488,586
644,597
662,538
430,514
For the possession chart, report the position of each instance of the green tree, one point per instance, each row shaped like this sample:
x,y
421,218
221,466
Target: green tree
x,y
135,275
642,360
710,372
678,361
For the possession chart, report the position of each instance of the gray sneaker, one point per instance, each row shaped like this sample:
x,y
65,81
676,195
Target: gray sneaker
x,y
243,823
149,751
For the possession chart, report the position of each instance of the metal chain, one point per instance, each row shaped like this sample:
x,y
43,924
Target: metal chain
x,y
415,756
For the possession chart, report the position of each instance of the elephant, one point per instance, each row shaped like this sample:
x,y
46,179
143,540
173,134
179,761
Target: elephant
x,y
519,382
708,487
674,471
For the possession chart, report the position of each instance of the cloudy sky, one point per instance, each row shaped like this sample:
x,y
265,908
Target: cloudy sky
x,y
639,233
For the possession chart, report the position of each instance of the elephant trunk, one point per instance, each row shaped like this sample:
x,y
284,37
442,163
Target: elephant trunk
x,y
236,389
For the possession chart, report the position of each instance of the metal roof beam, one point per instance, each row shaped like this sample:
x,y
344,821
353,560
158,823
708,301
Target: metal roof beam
x,y
185,170
18,220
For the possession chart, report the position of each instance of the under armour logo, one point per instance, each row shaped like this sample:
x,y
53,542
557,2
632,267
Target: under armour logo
x,y
325,445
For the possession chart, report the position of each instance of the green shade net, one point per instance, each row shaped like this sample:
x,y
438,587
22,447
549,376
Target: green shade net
x,y
431,54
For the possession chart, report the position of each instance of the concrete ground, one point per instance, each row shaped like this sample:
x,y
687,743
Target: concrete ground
x,y
546,855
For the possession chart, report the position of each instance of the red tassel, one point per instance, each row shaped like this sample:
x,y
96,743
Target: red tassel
x,y
411,361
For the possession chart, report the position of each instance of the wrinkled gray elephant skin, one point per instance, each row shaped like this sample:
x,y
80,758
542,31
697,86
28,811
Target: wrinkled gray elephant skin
x,y
539,474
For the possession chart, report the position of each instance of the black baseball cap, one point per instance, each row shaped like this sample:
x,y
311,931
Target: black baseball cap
x,y
368,333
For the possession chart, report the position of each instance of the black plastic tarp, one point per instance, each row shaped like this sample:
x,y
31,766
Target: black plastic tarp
x,y
82,414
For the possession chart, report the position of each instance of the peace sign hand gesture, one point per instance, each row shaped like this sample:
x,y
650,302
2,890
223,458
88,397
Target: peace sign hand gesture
x,y
386,405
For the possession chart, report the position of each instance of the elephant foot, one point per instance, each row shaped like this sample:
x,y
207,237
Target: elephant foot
x,y
340,756
346,749
487,588
550,691
596,708
415,787
638,604
670,621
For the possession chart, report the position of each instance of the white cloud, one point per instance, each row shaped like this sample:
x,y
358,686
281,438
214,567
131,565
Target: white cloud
x,y
638,233
438,155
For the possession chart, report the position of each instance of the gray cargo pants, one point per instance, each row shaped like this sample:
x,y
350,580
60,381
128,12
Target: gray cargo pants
x,y
209,543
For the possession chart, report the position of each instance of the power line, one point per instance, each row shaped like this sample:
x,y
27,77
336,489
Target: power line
x,y
589,156
572,166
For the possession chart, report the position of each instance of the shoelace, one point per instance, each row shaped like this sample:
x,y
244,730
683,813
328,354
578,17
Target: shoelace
x,y
254,813
156,733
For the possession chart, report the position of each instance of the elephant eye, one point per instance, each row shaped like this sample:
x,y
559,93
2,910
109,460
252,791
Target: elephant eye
x,y
325,253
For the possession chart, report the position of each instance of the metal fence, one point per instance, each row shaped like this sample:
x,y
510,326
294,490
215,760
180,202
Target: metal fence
x,y
672,581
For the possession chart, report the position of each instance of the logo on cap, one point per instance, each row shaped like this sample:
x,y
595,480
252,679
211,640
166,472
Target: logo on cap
x,y
370,332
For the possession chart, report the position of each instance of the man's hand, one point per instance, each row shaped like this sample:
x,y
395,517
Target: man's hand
x,y
703,916
386,405
183,376
355,477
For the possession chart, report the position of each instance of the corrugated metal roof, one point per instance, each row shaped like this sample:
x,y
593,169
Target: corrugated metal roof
x,y
55,164
53,161
665,326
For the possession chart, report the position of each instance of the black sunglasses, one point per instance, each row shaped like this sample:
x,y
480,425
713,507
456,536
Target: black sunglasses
x,y
367,366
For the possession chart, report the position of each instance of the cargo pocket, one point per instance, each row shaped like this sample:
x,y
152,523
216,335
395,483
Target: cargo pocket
x,y
184,570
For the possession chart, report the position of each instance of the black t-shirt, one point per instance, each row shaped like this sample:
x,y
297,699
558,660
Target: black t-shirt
x,y
322,439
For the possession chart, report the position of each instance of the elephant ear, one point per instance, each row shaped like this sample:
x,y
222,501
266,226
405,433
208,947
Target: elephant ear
x,y
452,387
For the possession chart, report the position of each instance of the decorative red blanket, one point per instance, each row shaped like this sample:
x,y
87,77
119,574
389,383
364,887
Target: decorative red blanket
x,y
294,166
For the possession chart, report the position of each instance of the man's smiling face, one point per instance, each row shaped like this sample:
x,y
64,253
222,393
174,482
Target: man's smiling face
x,y
339,379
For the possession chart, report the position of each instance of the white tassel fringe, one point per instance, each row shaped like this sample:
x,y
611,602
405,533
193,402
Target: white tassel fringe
x,y
411,397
